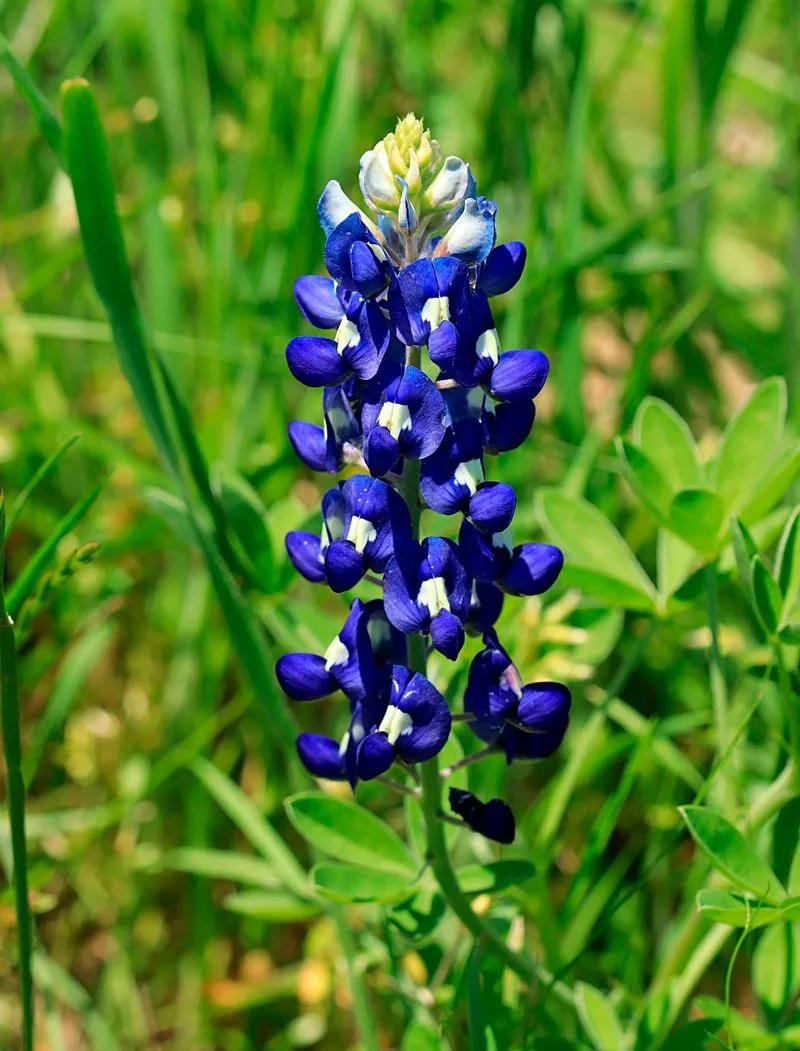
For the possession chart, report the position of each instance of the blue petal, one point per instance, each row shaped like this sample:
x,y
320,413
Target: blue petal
x,y
533,569
417,697
544,707
308,441
486,555
320,756
304,677
519,374
486,604
375,756
342,430
503,268
381,451
492,507
315,361
506,424
452,474
344,566
304,551
316,297
447,634
400,589
354,258
406,215
519,744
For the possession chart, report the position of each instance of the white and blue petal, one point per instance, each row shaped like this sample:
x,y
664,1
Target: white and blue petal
x,y
451,476
334,207
356,260
407,420
449,187
471,237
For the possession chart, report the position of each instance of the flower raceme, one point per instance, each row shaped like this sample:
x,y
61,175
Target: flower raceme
x,y
416,394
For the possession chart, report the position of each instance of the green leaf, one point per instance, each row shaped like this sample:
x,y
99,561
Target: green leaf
x,y
790,634
675,560
270,905
722,906
419,917
356,884
598,1018
666,440
731,854
773,486
694,1036
787,564
247,517
749,444
698,516
597,557
419,1037
645,478
744,549
776,967
252,824
348,832
766,595
494,876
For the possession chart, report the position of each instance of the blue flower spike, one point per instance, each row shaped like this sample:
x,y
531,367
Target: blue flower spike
x,y
417,393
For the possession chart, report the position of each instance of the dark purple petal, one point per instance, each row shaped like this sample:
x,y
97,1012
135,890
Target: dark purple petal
x,y
518,375
533,569
492,507
305,554
315,361
447,634
354,258
544,706
519,744
503,268
320,756
493,819
375,756
486,604
304,676
485,555
316,297
381,451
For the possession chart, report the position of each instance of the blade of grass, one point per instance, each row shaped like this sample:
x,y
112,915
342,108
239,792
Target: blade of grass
x,y
12,749
44,472
41,108
27,580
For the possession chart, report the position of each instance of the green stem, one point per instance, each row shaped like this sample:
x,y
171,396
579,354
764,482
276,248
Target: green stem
x,y
12,746
362,1010
719,689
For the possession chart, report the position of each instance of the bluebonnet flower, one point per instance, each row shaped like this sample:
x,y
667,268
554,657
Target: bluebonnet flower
x,y
494,819
417,392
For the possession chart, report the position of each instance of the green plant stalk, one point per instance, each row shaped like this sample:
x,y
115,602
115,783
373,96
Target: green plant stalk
x,y
12,748
719,689
790,702
365,1021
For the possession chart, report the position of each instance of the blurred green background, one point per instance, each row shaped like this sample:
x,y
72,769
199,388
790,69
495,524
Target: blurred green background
x,y
647,153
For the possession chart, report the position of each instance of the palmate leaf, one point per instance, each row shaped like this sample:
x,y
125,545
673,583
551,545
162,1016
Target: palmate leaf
x,y
776,966
698,517
598,1018
596,556
787,565
766,594
749,444
723,906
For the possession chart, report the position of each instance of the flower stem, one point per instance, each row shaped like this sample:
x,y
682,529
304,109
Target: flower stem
x,y
719,689
9,715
